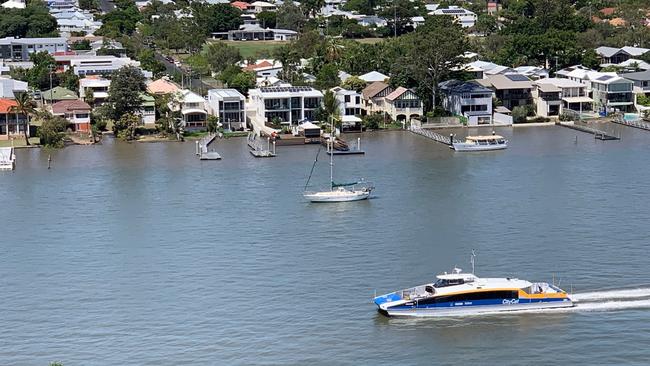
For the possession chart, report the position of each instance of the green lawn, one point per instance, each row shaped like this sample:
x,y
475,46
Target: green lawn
x,y
253,48
19,141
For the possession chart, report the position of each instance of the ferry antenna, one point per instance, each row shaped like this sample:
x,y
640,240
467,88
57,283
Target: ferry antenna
x,y
471,259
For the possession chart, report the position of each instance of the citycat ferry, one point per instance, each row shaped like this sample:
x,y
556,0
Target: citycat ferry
x,y
460,293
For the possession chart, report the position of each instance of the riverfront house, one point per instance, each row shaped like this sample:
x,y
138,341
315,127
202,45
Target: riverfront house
x,y
612,92
403,105
373,97
77,112
288,104
468,99
192,108
512,90
11,123
554,96
229,106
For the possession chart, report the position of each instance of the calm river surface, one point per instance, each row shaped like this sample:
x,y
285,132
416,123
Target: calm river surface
x,y
140,254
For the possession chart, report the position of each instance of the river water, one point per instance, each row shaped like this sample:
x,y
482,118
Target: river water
x,y
140,254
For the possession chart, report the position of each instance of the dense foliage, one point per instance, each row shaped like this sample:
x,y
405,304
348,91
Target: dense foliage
x,y
33,21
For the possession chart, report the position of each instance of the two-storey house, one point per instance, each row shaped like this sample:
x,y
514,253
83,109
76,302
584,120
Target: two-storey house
x,y
468,99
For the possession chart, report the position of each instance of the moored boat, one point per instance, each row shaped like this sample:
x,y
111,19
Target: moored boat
x,y
481,143
460,293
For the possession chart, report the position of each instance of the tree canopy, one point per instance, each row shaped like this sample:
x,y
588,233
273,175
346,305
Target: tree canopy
x,y
33,21
124,94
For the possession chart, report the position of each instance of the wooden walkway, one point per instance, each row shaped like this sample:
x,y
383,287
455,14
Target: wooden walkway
x,y
640,124
598,134
431,135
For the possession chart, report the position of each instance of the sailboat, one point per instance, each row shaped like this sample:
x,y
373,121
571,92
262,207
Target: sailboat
x,y
338,192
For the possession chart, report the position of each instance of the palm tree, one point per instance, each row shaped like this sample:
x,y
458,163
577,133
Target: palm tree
x,y
331,105
24,105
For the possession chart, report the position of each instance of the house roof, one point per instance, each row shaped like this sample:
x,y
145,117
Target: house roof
x,y
548,88
188,96
396,93
59,93
6,104
607,51
639,76
635,51
458,87
69,105
162,86
373,76
373,89
510,81
560,83
226,93
240,5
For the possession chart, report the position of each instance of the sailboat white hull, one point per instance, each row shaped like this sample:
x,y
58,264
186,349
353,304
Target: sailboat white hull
x,y
337,196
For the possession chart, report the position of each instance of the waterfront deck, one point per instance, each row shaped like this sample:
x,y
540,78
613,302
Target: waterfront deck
x,y
598,134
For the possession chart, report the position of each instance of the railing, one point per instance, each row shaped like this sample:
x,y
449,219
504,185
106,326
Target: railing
x,y
431,135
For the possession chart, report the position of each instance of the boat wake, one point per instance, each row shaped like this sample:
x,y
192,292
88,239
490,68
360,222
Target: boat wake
x,y
606,300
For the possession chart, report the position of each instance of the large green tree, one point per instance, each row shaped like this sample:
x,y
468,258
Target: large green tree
x,y
289,16
219,55
124,94
33,21
435,49
216,18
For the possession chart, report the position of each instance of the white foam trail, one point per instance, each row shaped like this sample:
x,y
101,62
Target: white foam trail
x,y
611,294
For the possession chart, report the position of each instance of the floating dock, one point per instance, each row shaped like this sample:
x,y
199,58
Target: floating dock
x,y
210,155
598,134
354,150
256,146
202,148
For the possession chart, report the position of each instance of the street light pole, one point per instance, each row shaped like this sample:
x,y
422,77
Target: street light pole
x,y
51,68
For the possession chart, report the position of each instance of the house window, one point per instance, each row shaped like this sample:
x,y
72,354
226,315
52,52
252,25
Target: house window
x,y
347,99
81,115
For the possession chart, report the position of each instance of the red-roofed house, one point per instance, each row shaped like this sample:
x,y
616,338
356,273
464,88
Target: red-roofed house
x,y
240,5
76,111
403,105
11,124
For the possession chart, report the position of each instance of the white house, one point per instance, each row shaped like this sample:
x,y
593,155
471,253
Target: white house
x,y
612,55
289,104
260,6
465,17
553,96
468,99
95,88
350,106
9,87
192,108
229,106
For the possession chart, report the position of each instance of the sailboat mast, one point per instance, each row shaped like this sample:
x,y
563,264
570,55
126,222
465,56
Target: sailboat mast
x,y
331,143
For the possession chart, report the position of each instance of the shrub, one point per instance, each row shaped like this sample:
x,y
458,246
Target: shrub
x,y
519,114
372,121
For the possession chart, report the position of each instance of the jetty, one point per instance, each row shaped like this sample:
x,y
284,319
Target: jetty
x,y
447,140
202,148
639,123
352,150
257,148
598,134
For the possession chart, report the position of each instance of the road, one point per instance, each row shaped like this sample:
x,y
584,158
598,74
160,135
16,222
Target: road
x,y
195,84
